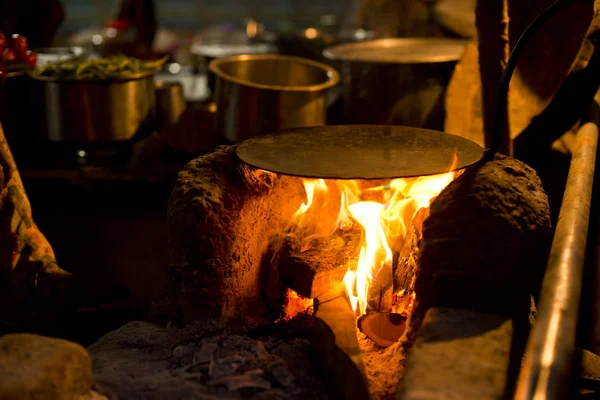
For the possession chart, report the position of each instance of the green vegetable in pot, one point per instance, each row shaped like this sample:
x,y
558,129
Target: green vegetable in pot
x,y
115,67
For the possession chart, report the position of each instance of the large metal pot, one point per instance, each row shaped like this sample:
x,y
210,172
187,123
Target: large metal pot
x,y
396,81
91,111
258,94
211,51
17,101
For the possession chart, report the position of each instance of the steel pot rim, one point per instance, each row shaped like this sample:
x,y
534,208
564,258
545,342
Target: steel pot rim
x,y
333,76
347,52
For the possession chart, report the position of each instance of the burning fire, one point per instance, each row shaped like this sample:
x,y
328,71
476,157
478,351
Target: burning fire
x,y
384,212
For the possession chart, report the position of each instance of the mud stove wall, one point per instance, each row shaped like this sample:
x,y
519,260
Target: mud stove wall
x,y
479,260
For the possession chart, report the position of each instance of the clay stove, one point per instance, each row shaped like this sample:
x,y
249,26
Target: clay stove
x,y
371,264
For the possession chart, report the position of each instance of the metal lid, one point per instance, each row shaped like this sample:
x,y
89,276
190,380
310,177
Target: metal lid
x,y
220,50
399,51
359,152
47,55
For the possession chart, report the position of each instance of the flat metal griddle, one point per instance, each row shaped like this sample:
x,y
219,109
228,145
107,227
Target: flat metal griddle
x,y
382,152
359,152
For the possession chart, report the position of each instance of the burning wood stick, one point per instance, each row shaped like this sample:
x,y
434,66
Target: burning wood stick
x,y
398,276
380,293
317,270
405,267
335,345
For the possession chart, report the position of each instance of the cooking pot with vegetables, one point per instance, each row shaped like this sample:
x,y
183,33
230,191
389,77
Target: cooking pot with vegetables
x,y
101,100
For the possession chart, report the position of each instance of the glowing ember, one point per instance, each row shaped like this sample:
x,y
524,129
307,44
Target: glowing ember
x,y
295,304
403,303
332,204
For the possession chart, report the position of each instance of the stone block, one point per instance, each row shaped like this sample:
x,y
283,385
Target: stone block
x,y
43,368
458,354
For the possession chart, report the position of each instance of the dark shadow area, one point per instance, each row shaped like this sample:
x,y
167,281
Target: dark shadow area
x,y
565,109
112,237
448,328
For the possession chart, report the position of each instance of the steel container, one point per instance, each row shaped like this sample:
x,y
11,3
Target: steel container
x,y
212,51
258,94
91,111
395,81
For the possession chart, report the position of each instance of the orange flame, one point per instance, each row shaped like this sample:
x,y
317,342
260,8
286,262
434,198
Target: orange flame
x,y
332,204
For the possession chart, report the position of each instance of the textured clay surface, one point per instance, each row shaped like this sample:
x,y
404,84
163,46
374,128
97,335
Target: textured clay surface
x,y
145,361
43,368
222,216
485,242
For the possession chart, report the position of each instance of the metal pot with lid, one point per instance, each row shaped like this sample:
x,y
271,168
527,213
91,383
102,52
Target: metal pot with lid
x,y
398,81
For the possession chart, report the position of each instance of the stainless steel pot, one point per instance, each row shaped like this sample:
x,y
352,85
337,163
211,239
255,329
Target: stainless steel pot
x,y
258,94
207,52
89,111
396,81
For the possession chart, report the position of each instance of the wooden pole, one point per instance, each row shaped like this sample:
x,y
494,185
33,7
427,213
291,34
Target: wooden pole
x,y
491,20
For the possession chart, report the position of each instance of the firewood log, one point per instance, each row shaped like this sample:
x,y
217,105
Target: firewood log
x,y
315,271
380,293
407,257
399,275
384,329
